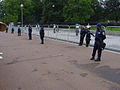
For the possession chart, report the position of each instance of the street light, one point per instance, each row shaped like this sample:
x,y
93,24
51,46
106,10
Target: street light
x,y
53,5
22,15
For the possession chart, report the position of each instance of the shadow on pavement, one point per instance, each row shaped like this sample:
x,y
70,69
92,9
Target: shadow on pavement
x,y
106,72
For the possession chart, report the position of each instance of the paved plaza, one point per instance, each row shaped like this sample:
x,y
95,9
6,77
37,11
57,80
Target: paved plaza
x,y
56,65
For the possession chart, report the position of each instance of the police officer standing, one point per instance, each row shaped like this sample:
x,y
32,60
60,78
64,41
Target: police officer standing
x,y
88,37
12,30
19,31
41,32
7,29
82,35
99,44
30,32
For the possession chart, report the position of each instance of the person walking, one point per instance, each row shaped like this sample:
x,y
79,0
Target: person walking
x,y
99,44
30,32
42,33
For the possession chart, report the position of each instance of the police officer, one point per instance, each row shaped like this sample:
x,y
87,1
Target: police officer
x,y
30,32
41,32
99,44
19,31
12,30
82,35
88,37
7,29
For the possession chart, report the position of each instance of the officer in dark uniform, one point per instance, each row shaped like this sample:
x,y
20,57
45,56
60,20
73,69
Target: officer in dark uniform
x,y
88,37
82,35
19,31
99,44
30,32
12,30
41,32
7,29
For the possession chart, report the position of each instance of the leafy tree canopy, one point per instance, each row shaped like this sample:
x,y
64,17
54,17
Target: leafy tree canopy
x,y
77,11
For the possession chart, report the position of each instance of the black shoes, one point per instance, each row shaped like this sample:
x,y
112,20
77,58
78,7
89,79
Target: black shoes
x,y
97,60
87,45
92,58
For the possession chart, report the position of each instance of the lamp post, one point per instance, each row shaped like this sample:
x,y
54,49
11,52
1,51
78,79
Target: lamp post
x,y
53,9
4,17
21,15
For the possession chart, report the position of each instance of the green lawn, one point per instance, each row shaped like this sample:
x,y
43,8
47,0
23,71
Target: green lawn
x,y
108,28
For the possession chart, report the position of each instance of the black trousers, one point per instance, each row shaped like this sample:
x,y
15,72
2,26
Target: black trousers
x,y
6,30
30,36
87,42
81,39
19,33
98,49
54,30
42,40
12,31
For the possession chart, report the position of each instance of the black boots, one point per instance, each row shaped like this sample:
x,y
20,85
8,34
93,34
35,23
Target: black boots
x,y
98,59
92,58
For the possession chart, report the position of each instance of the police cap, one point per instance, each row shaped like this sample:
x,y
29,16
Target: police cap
x,y
99,25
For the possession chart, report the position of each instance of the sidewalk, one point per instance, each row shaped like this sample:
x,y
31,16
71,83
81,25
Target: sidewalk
x,y
56,65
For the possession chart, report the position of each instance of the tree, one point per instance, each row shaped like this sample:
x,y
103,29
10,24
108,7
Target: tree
x,y
77,11
99,11
37,10
112,8
52,11
13,10
1,12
